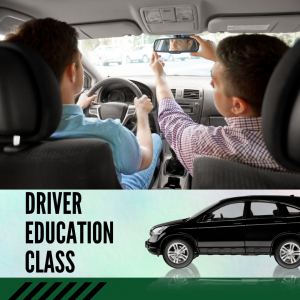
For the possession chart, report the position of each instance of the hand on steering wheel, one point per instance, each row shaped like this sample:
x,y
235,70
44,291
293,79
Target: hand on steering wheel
x,y
115,110
143,105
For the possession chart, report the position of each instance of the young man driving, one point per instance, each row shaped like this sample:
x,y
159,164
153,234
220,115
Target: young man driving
x,y
242,69
135,158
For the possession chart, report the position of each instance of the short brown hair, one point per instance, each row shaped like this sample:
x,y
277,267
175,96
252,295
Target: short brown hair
x,y
55,41
249,62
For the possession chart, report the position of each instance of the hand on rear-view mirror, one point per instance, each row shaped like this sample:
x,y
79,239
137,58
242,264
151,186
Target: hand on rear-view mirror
x,y
208,48
157,65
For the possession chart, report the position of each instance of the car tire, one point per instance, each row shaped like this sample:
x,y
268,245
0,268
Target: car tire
x,y
128,60
145,59
171,58
184,256
287,253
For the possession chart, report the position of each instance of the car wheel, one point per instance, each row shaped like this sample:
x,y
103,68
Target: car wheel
x,y
145,59
178,253
171,58
128,60
287,253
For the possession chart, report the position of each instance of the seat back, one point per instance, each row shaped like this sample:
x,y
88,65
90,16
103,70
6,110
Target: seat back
x,y
281,111
281,132
30,111
61,164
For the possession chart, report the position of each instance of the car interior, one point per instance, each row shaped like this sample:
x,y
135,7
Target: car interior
x,y
30,97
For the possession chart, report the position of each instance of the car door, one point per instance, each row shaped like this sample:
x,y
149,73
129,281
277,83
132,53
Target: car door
x,y
292,219
264,222
224,231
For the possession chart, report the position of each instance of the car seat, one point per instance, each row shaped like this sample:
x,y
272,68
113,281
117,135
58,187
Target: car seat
x,y
281,132
30,111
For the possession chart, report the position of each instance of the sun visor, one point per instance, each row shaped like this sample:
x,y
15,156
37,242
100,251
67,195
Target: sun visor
x,y
10,20
255,24
109,29
171,19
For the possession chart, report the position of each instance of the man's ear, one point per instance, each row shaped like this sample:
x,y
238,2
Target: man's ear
x,y
239,106
71,72
190,44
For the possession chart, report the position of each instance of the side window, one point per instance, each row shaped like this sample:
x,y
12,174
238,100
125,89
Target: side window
x,y
263,210
293,211
232,211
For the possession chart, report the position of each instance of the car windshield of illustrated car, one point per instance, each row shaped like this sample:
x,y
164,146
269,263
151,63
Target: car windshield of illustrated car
x,y
130,55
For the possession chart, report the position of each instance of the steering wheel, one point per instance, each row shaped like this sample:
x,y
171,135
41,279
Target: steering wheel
x,y
114,110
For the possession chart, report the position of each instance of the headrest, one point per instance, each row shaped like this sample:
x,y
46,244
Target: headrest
x,y
30,98
281,111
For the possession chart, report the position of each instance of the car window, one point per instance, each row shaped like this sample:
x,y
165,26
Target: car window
x,y
293,211
264,210
232,211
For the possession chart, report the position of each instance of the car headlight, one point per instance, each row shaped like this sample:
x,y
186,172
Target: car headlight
x,y
159,230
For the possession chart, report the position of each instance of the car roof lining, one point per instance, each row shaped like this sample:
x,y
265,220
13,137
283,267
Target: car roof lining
x,y
92,11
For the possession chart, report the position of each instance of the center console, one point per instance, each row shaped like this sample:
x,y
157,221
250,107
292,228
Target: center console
x,y
172,174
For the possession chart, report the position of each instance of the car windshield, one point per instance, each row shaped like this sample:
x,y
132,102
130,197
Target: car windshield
x,y
203,210
130,55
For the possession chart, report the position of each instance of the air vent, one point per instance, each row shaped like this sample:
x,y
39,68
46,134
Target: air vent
x,y
191,94
173,92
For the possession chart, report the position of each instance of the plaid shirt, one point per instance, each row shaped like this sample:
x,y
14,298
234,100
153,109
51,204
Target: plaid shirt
x,y
240,141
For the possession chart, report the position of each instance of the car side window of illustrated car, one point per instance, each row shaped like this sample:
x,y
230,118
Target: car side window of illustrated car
x,y
254,225
232,211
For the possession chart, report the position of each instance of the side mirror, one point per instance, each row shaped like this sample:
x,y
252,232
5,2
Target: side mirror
x,y
176,45
208,217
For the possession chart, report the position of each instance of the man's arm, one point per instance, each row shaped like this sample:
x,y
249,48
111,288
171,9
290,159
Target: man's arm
x,y
143,106
162,87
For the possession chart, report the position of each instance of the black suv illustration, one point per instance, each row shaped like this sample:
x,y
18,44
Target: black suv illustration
x,y
252,225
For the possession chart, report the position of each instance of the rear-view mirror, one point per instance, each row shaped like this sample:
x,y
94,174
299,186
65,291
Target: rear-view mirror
x,y
176,45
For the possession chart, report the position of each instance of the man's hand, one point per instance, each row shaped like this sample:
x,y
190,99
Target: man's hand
x,y
143,105
157,65
84,101
208,49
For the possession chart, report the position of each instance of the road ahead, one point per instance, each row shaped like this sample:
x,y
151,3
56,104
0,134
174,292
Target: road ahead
x,y
196,67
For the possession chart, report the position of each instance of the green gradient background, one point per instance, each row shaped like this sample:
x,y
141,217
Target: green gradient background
x,y
133,214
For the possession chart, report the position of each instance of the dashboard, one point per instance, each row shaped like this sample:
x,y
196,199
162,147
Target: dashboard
x,y
193,93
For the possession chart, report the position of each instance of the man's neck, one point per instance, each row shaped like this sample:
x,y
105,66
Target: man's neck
x,y
67,96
